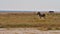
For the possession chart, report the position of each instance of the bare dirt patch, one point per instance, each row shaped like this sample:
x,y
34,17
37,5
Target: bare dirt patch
x,y
26,31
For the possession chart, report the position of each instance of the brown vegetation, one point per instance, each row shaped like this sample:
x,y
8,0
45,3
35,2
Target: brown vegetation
x,y
28,19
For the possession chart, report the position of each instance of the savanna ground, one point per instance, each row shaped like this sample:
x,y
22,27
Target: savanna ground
x,y
29,23
30,20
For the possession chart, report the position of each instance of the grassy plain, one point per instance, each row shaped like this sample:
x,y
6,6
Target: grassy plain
x,y
13,20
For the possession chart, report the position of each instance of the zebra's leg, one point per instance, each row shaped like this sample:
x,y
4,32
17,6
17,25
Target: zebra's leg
x,y
44,17
40,17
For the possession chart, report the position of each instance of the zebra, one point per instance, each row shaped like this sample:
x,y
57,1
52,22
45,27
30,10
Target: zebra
x,y
41,15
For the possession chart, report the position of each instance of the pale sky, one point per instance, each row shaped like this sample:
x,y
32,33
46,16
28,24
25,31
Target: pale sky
x,y
30,5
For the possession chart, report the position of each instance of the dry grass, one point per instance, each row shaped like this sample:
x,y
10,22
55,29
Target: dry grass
x,y
30,20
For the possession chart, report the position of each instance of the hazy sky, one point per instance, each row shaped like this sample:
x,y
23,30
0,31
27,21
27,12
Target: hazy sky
x,y
30,5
